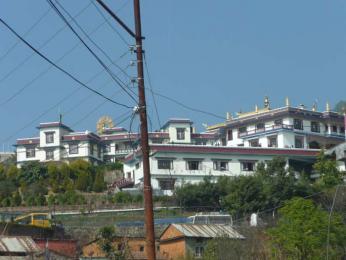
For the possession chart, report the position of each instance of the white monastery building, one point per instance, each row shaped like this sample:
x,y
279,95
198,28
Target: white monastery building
x,y
179,154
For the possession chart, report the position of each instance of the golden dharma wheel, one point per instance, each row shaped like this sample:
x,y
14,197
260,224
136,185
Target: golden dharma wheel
x,y
104,123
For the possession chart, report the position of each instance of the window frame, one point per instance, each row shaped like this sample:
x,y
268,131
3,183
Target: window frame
x,y
217,165
71,148
297,126
49,155
191,162
247,163
315,127
301,139
180,133
31,154
164,164
48,135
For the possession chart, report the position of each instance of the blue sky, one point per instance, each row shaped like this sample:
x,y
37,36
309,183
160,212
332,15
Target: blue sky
x,y
217,56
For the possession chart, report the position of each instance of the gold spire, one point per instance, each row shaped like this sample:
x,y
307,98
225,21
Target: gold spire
x,y
327,107
287,101
256,108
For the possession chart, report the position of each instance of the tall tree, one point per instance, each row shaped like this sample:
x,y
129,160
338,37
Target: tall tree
x,y
301,232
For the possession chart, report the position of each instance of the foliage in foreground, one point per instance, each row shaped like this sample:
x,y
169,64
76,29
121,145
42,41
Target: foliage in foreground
x,y
302,232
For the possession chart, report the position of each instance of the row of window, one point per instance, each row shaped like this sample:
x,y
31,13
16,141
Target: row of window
x,y
193,165
297,124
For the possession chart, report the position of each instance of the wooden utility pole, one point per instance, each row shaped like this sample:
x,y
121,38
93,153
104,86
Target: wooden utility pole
x,y
142,111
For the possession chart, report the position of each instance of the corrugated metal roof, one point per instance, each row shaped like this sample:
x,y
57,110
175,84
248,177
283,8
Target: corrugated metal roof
x,y
18,244
208,231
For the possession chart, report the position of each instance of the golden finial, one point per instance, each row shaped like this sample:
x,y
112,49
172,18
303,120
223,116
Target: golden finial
x,y
287,101
256,108
266,102
327,107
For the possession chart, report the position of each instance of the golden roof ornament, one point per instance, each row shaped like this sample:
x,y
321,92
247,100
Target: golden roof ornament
x,y
287,102
327,107
103,123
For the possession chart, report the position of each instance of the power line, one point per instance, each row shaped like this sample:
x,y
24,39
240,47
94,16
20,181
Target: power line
x,y
89,49
25,34
60,68
186,106
28,84
86,98
69,95
96,45
151,90
109,24
40,47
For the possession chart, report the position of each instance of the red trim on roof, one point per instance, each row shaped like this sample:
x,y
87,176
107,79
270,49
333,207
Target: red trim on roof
x,y
28,141
81,137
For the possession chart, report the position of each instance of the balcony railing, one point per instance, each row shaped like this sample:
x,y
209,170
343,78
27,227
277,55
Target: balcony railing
x,y
266,129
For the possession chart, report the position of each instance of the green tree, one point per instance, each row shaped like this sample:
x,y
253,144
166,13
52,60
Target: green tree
x,y
32,172
83,182
99,184
327,169
301,232
106,236
246,194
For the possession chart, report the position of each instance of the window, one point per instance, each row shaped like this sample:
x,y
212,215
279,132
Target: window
x,y
278,122
180,133
166,184
116,147
128,175
260,126
315,127
242,130
334,129
254,143
248,166
193,165
165,164
342,130
107,148
220,165
273,141
298,142
73,148
298,124
326,128
229,134
199,251
50,155
49,137
141,248
91,149
138,165
30,152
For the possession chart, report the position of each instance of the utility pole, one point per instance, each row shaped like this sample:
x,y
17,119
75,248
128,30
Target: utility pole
x,y
142,111
148,198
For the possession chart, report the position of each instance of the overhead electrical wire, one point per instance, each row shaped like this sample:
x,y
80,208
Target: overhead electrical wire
x,y
109,24
90,50
93,42
63,99
39,48
28,84
60,68
151,90
9,50
186,106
